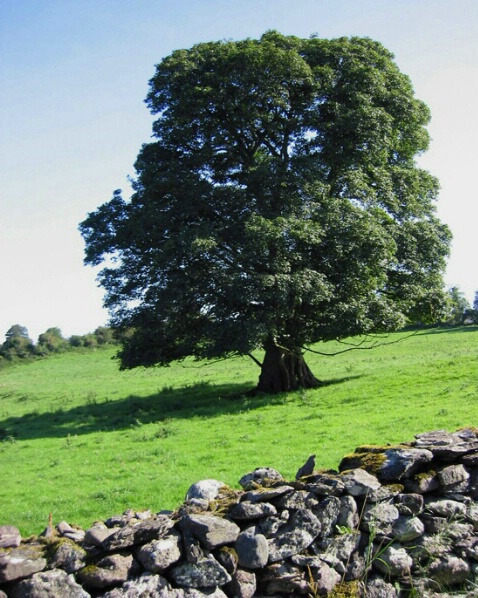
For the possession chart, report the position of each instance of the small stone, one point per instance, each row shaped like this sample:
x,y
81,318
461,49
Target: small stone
x,y
294,536
205,489
348,515
10,536
206,573
379,588
67,555
98,533
158,555
325,485
138,533
242,585
402,462
20,562
359,482
453,474
393,562
267,494
211,531
328,512
146,585
261,476
446,508
406,529
379,517
247,510
409,504
422,483
48,584
300,499
252,550
449,570
307,469
113,569
285,578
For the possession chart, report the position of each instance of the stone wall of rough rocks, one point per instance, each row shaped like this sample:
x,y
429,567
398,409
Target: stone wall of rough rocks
x,y
393,521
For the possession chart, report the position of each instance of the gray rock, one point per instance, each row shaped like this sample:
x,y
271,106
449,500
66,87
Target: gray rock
x,y
112,570
328,512
379,518
144,586
409,504
324,579
205,489
270,525
20,562
393,562
158,555
402,462
228,558
384,493
48,584
299,499
192,593
246,510
337,549
406,529
453,475
378,588
138,533
284,578
206,573
359,482
261,476
307,469
252,550
472,514
422,483
446,508
434,439
348,515
67,555
433,525
457,530
294,536
267,494
10,536
211,531
97,534
446,446
324,484
242,585
449,570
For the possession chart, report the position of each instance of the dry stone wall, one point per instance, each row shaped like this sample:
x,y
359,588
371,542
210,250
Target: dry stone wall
x,y
392,522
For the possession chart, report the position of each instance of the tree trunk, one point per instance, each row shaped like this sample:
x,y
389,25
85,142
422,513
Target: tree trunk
x,y
283,370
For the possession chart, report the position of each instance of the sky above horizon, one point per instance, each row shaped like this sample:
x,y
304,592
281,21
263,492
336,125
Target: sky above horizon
x,y
74,76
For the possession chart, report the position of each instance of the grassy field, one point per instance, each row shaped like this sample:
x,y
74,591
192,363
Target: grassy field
x,y
84,441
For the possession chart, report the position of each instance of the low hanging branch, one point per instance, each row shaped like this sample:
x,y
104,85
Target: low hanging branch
x,y
358,346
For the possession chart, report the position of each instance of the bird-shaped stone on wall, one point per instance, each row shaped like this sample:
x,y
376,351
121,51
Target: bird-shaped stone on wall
x,y
307,468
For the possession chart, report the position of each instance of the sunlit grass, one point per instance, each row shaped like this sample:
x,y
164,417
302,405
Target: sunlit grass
x,y
84,441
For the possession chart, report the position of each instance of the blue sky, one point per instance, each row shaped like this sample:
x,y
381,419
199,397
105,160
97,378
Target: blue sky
x,y
73,78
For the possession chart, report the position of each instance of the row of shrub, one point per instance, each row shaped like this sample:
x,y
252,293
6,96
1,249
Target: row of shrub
x,y
18,346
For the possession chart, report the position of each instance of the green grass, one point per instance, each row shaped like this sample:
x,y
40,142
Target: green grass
x,y
84,441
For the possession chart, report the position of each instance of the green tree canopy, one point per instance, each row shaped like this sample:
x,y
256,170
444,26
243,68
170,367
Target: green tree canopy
x,y
51,341
279,204
18,344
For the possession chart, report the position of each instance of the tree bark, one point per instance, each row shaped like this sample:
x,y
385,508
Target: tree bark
x,y
283,370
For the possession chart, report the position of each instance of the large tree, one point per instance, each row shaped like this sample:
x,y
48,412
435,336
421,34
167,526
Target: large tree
x,y
279,204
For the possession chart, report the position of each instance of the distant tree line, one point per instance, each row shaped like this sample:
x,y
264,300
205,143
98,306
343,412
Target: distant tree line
x,y
19,346
459,311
